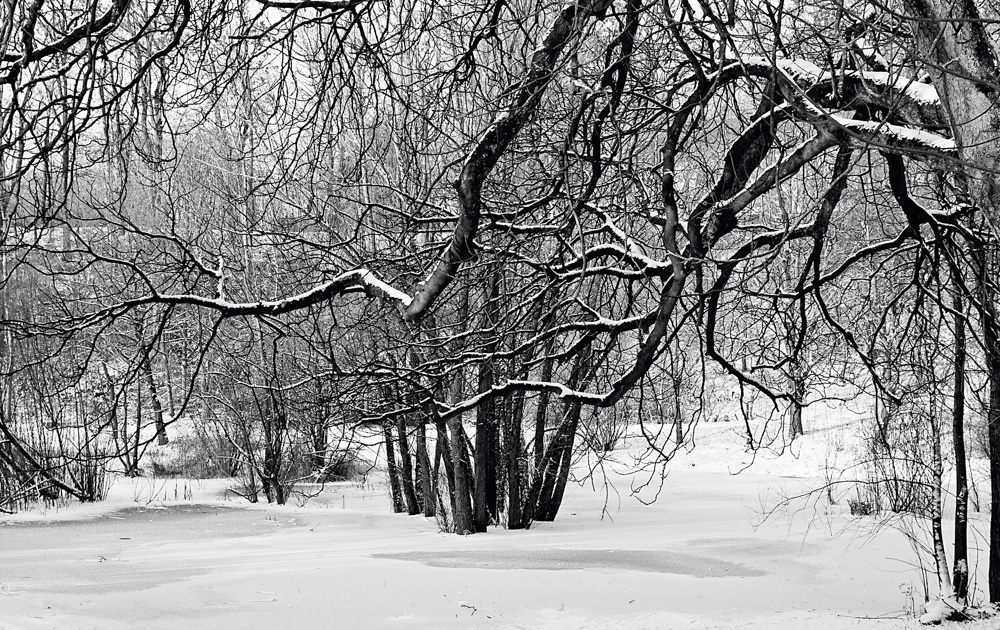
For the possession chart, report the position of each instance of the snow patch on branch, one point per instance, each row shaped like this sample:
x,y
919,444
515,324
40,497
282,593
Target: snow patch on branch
x,y
515,228
353,281
902,135
558,389
806,72
369,279
870,54
796,69
633,248
922,93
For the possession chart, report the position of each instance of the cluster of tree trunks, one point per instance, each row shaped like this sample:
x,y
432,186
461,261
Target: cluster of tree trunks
x,y
486,480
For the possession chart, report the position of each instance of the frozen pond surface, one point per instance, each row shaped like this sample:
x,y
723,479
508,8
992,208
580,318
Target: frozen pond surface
x,y
104,555
582,559
701,556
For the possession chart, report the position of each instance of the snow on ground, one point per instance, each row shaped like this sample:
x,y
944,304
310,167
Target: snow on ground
x,y
701,556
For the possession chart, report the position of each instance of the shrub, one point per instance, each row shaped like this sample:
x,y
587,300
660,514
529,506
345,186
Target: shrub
x,y
860,507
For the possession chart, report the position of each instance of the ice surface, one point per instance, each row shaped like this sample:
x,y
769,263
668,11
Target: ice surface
x,y
701,556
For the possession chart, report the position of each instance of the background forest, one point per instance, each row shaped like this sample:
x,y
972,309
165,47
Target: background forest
x,y
496,235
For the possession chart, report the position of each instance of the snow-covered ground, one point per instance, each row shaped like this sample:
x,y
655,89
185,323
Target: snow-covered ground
x,y
701,556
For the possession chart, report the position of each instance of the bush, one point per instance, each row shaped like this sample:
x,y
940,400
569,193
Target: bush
x,y
896,449
603,430
197,453
860,507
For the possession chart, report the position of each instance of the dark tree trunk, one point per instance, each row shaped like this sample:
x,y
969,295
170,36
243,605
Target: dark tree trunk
x,y
485,472
961,573
464,523
251,495
132,442
319,443
424,467
541,412
993,375
794,420
538,504
442,454
390,468
797,380
486,421
984,258
678,417
161,427
275,424
495,462
406,473
547,487
436,476
549,508
514,441
461,486
271,476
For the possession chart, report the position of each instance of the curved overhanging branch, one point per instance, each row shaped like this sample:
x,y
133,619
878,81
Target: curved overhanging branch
x,y
907,99
724,215
493,144
355,281
894,138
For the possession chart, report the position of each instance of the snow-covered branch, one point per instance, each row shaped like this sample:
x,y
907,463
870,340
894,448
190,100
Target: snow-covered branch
x,y
906,139
355,281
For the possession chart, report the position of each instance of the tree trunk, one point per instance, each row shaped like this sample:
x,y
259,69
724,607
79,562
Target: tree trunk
x,y
271,475
514,442
794,419
319,442
993,416
406,473
161,427
514,476
798,385
541,412
678,418
485,472
442,453
132,442
554,502
545,495
274,423
486,421
984,259
464,523
424,465
547,487
390,469
937,475
961,569
461,486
